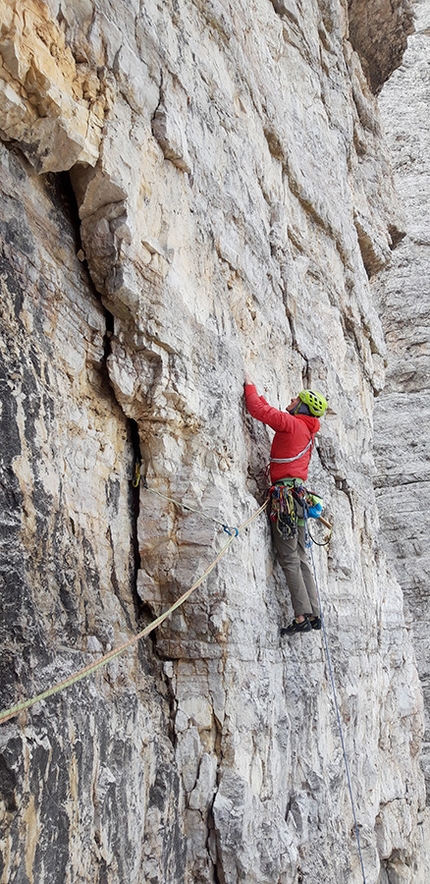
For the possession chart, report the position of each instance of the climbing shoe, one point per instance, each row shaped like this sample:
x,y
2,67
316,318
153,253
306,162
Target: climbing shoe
x,y
294,627
316,623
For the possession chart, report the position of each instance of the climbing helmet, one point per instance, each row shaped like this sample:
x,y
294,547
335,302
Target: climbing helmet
x,y
315,401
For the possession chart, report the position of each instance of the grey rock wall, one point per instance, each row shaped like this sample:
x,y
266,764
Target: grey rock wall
x,y
402,411
378,31
189,190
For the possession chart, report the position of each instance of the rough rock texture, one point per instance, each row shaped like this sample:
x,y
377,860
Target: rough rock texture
x,y
379,31
53,105
228,200
403,411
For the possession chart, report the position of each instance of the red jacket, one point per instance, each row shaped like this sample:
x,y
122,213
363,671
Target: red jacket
x,y
292,434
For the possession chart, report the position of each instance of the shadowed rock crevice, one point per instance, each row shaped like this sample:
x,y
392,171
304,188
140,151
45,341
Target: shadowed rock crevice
x,y
378,32
226,163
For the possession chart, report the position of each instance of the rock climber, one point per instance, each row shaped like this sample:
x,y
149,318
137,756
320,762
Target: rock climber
x,y
291,450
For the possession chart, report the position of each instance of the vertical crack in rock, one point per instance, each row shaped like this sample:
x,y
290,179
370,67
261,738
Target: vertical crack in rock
x,y
168,123
135,492
65,192
343,485
221,212
281,251
67,517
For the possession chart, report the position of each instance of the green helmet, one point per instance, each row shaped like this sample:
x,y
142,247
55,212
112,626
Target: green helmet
x,y
315,402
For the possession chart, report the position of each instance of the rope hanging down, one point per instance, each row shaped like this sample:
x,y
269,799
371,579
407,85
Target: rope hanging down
x,y
339,721
137,478
93,667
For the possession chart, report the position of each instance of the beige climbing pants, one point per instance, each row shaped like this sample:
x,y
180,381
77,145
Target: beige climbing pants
x,y
293,560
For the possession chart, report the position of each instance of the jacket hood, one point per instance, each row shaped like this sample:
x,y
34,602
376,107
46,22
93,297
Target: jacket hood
x,y
312,423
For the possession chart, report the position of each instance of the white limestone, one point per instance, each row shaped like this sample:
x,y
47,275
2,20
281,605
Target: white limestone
x,y
234,199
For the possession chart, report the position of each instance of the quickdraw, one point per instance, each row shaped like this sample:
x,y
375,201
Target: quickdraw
x,y
283,511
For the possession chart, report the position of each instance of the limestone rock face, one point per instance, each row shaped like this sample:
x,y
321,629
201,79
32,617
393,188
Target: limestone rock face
x,y
53,102
402,412
379,31
189,191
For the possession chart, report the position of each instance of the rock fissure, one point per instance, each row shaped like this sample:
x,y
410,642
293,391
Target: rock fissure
x,y
66,192
135,495
251,249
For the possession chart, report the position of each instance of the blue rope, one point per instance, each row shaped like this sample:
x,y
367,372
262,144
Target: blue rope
x,y
336,706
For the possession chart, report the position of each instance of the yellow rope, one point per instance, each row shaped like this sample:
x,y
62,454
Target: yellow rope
x,y
92,667
185,506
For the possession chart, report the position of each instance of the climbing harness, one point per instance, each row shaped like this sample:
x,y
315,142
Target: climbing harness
x,y
284,495
137,478
102,661
336,706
